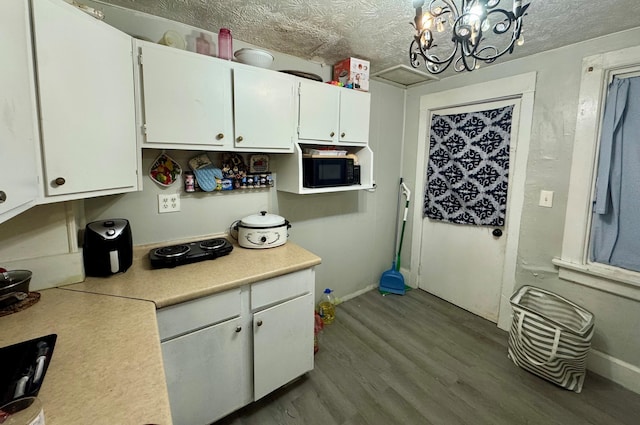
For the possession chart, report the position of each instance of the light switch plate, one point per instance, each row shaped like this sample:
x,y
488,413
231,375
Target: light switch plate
x,y
546,198
168,202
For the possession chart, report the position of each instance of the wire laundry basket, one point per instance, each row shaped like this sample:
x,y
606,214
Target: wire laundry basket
x,y
550,336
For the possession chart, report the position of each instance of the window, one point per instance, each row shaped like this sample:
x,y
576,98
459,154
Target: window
x,y
576,261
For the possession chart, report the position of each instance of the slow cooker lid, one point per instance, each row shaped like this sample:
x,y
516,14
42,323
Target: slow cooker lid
x,y
262,220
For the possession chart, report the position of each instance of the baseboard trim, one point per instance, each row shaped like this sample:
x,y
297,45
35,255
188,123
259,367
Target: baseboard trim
x,y
612,368
359,292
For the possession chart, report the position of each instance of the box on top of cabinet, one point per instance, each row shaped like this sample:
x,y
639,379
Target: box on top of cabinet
x,y
352,71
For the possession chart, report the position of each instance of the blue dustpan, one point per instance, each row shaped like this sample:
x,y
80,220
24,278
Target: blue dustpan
x,y
392,281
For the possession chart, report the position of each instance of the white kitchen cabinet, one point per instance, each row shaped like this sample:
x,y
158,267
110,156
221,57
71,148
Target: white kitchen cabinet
x,y
19,127
86,94
264,110
223,351
332,115
185,99
206,352
282,344
192,101
203,371
282,330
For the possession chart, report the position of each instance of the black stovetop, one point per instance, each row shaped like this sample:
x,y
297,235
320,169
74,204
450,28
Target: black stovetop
x,y
187,253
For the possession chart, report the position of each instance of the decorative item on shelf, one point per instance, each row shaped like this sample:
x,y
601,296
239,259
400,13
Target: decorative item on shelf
x,y
173,39
352,72
259,163
189,181
225,44
203,44
234,169
469,27
254,57
164,170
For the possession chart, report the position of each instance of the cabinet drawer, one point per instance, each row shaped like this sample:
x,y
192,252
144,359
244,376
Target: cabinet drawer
x,y
281,288
191,315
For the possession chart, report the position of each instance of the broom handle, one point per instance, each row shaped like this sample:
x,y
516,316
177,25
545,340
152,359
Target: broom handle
x,y
406,192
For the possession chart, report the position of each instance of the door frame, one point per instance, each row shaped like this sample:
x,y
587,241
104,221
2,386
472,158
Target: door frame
x,y
520,86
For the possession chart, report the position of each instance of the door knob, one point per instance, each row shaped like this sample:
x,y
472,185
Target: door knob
x,y
3,196
259,323
497,233
59,181
238,329
342,134
332,134
220,136
240,139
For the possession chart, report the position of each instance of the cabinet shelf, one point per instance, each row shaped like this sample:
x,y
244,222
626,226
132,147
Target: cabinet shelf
x,y
290,174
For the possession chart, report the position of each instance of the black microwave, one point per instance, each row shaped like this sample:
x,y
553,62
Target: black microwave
x,y
330,171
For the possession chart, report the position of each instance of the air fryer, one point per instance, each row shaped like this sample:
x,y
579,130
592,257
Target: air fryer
x,y
108,247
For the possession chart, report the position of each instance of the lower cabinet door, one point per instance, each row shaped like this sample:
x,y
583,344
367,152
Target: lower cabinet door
x,y
282,344
207,377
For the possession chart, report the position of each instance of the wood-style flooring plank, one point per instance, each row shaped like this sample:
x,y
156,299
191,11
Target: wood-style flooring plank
x,y
416,359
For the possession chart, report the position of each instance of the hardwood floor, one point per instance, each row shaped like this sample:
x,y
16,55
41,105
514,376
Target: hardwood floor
x,y
416,359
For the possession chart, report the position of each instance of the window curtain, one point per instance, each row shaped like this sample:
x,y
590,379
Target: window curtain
x,y
615,231
468,167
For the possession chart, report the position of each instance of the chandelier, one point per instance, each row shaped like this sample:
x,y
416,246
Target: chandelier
x,y
469,28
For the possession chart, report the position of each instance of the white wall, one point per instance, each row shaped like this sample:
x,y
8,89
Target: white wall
x,y
555,111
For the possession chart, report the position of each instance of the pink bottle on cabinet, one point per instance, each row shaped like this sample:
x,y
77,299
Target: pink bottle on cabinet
x,y
225,44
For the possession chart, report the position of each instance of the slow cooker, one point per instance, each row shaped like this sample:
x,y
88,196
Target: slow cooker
x,y
262,230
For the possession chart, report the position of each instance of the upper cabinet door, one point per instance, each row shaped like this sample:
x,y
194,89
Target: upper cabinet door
x,y
186,97
19,123
319,108
85,80
354,116
264,108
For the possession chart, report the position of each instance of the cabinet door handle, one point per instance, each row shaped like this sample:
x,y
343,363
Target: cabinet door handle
x,y
240,139
332,134
59,181
220,136
342,134
3,196
259,323
238,329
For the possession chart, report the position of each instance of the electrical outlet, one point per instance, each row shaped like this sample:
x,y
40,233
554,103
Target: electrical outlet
x,y
546,198
168,202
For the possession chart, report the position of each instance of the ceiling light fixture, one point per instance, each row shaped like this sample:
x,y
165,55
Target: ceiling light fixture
x,y
471,27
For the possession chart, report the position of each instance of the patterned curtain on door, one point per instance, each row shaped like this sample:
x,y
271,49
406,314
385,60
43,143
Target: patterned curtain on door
x,y
468,169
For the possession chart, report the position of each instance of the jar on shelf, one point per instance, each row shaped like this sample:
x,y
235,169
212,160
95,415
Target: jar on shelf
x,y
225,44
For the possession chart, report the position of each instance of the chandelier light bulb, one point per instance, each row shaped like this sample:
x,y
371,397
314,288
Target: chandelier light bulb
x,y
427,21
520,41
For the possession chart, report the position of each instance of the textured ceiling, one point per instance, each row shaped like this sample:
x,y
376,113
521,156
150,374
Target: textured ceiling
x,y
378,30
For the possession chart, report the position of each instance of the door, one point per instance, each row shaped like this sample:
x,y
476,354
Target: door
x,y
186,97
264,110
86,93
354,116
319,106
282,344
464,263
19,126
206,374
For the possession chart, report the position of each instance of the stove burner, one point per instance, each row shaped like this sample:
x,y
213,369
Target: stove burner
x,y
172,251
213,243
192,252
